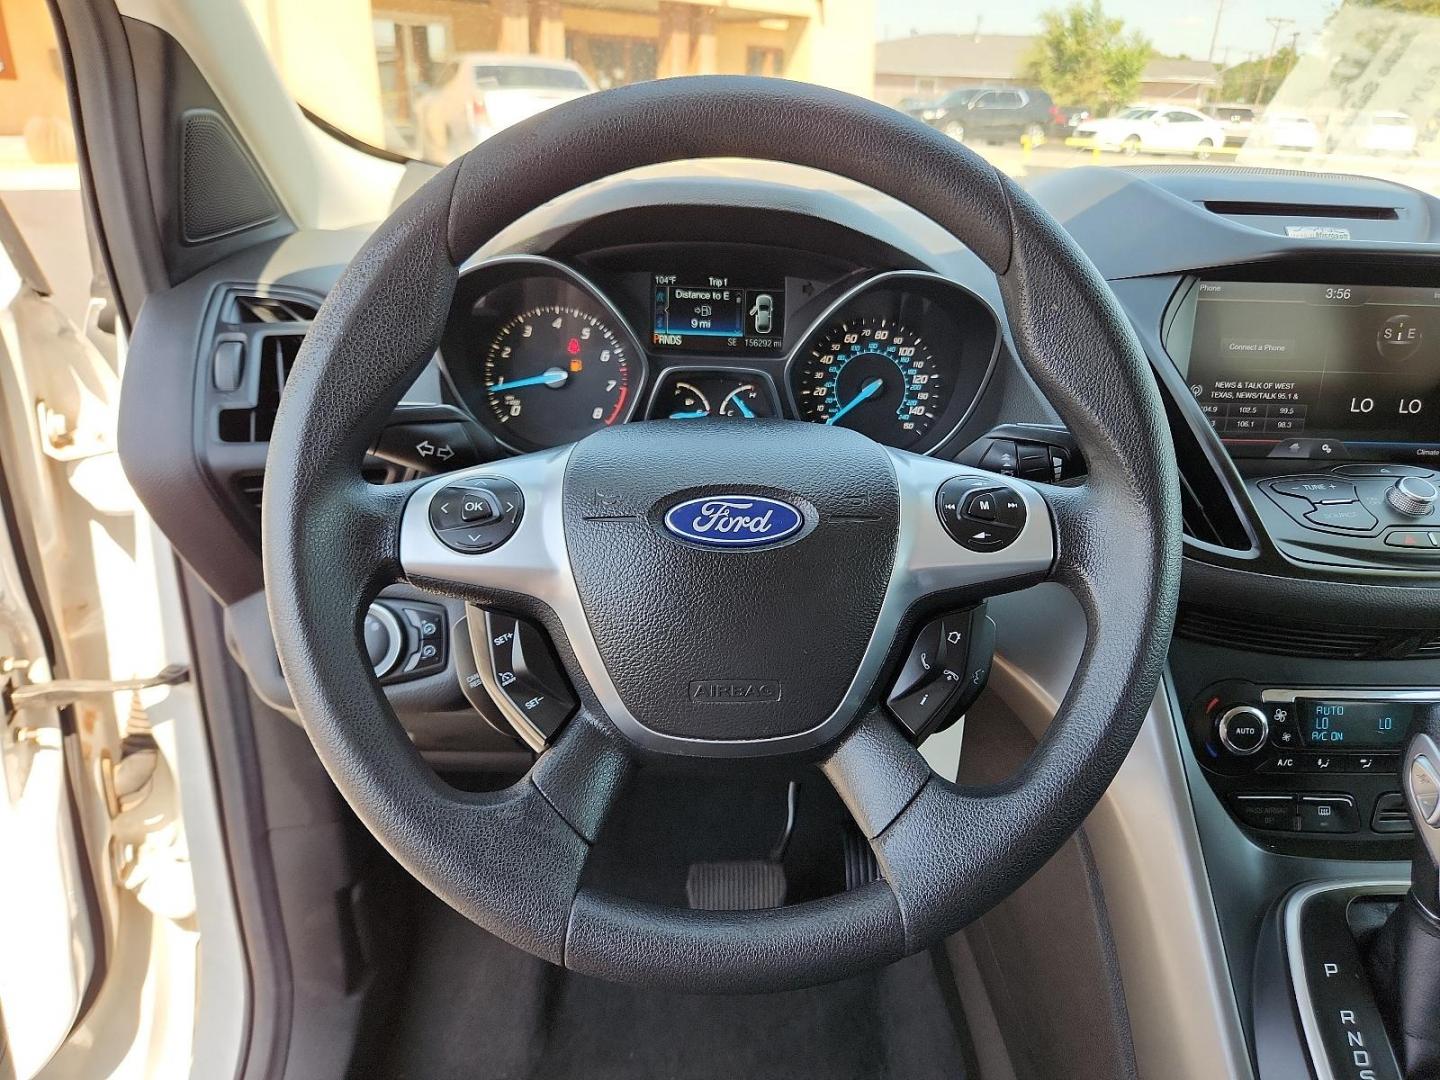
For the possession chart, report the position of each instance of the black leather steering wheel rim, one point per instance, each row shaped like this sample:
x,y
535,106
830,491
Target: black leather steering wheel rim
x,y
512,861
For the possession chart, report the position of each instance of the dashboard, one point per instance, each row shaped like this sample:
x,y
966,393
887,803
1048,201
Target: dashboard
x,y
543,351
1300,372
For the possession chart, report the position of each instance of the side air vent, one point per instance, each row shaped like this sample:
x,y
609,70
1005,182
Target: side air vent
x,y
222,190
1303,210
270,309
277,356
1208,512
1262,633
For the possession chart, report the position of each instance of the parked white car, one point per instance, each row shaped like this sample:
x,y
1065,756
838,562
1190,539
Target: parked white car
x,y
1141,129
1389,133
1286,131
477,94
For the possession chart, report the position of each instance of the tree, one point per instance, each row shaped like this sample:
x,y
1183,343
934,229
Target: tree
x,y
1413,7
1242,82
1085,57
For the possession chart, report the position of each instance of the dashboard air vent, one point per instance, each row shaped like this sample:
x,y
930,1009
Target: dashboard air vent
x,y
1264,633
1208,512
271,309
277,357
1303,210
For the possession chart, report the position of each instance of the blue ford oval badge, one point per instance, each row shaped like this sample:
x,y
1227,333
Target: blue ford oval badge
x,y
733,520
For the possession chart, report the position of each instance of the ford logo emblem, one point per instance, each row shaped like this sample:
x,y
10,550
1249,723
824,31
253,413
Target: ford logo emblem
x,y
734,521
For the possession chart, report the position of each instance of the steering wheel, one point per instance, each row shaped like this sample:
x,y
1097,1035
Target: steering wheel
x,y
640,614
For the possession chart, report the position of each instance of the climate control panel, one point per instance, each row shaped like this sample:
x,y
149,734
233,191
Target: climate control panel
x,y
1311,762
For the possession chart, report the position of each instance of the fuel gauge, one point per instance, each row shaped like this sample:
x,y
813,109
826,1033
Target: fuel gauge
x,y
693,395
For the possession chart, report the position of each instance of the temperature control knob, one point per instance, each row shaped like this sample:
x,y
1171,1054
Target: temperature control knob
x,y
1243,729
1412,495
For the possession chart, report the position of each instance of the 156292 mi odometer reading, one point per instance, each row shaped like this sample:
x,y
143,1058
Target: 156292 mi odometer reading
x,y
873,375
556,373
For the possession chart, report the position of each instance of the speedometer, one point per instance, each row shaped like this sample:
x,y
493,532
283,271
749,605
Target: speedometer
x,y
874,375
556,373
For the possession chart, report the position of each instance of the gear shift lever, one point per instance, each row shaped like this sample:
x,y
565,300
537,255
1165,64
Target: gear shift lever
x,y
1405,960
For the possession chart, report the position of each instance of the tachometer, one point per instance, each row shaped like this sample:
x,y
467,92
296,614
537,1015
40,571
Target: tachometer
x,y
874,375
556,373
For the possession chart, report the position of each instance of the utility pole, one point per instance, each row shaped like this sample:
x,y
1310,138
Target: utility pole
x,y
1279,24
1215,34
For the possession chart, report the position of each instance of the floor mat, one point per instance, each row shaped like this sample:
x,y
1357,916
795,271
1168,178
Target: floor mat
x,y
477,1009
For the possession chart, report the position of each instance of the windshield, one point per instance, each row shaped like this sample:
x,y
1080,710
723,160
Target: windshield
x,y
1323,85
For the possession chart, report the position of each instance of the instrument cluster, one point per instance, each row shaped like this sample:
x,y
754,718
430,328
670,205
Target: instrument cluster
x,y
543,353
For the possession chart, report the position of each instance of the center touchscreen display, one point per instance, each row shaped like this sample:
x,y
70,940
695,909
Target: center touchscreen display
x,y
1319,371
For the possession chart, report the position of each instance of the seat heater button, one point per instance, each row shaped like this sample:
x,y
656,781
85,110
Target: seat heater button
x,y
1350,516
1317,491
1328,814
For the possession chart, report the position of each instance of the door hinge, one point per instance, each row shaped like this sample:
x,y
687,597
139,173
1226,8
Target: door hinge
x,y
60,692
64,439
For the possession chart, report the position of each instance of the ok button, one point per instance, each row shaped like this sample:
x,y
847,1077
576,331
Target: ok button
x,y
479,507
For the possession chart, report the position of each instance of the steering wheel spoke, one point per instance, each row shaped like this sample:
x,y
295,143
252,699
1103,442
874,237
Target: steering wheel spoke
x,y
583,773
490,532
876,772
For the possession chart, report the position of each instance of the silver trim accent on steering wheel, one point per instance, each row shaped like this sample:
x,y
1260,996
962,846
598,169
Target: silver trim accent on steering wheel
x,y
535,561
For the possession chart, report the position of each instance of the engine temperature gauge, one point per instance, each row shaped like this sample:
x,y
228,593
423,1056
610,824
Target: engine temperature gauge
x,y
693,395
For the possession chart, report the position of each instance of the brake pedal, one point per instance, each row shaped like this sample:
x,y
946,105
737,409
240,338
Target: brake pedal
x,y
739,885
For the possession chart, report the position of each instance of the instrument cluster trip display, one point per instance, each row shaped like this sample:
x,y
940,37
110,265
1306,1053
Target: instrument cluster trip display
x,y
716,314
1319,371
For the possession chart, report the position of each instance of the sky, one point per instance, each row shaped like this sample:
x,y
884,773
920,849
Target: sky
x,y
1173,26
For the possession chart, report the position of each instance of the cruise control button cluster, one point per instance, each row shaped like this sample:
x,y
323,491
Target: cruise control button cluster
x,y
980,514
528,675
944,672
476,515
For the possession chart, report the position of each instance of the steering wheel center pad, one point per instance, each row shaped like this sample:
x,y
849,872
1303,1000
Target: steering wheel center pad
x,y
730,643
